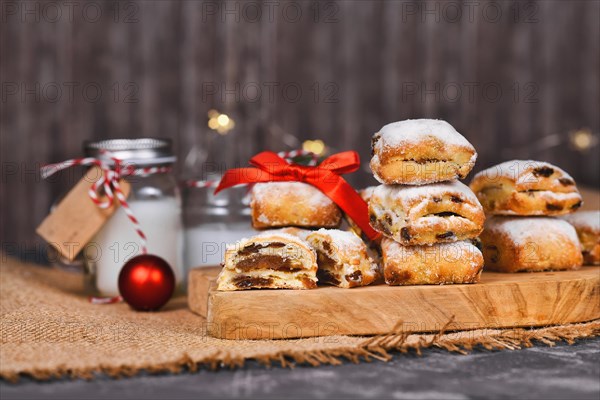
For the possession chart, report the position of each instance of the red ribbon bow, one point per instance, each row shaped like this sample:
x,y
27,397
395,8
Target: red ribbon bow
x,y
325,177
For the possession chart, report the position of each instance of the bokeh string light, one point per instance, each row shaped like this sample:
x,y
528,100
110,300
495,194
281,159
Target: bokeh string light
x,y
223,123
315,146
220,122
580,140
583,139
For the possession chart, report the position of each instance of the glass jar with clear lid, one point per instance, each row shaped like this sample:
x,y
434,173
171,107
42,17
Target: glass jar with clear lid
x,y
155,202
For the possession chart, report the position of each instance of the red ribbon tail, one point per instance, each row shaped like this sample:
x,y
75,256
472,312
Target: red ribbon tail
x,y
348,199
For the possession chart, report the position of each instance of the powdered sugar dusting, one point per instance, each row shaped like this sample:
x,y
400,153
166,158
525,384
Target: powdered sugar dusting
x,y
344,240
523,230
416,130
413,193
584,220
519,170
306,193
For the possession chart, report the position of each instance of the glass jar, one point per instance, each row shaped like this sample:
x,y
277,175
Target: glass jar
x,y
154,200
213,221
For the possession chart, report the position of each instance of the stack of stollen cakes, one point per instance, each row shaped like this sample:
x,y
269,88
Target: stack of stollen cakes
x,y
523,198
429,220
300,246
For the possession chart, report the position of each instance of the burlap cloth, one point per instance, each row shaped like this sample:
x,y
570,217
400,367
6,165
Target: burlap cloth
x,y
49,329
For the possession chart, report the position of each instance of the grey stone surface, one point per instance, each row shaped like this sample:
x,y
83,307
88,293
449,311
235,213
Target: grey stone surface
x,y
561,372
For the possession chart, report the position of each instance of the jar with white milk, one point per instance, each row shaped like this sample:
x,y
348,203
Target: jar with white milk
x,y
155,202
214,221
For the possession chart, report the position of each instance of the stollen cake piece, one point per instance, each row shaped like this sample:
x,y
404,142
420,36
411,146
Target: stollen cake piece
x,y
269,260
526,187
512,244
420,151
587,225
342,258
282,204
419,215
444,263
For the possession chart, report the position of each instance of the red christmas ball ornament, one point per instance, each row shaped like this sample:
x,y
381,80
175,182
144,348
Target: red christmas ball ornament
x,y
146,282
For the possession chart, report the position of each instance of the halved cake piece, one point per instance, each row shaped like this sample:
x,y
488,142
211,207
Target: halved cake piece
x,y
343,259
270,260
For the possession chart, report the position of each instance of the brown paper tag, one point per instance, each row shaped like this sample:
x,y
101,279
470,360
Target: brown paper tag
x,y
76,219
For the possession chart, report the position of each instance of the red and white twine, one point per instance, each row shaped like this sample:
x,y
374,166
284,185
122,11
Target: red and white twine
x,y
109,181
105,300
287,155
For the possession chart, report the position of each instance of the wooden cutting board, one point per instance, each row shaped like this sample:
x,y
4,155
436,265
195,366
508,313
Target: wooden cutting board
x,y
498,301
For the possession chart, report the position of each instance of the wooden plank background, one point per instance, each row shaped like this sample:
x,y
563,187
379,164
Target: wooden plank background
x,y
161,65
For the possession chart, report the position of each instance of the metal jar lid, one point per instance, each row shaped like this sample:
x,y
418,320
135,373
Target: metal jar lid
x,y
144,151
